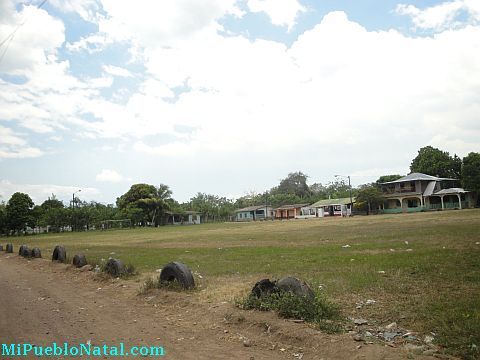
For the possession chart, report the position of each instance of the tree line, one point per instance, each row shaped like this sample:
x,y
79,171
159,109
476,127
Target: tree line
x,y
149,205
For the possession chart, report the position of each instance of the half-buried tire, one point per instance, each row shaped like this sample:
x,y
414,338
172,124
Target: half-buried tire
x,y
114,267
59,254
264,287
179,272
295,286
9,248
36,253
20,249
26,252
79,260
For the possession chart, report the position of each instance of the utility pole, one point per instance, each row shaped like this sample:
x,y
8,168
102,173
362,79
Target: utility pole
x,y
349,190
74,223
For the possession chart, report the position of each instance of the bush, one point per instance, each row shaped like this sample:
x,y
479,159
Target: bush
x,y
318,310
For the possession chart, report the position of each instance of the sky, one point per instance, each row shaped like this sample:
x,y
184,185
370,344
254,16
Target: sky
x,y
227,97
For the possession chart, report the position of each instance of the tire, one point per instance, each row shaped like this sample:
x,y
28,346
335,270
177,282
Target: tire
x,y
79,260
9,248
36,253
1,247
114,267
20,249
26,252
179,272
295,286
59,254
264,287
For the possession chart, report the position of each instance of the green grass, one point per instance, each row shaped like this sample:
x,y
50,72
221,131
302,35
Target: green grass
x,y
319,311
435,287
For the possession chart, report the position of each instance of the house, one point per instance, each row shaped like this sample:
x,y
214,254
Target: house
x,y
334,207
251,213
294,211
182,218
418,192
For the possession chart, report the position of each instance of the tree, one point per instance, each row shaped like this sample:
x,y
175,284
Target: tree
x,y
295,183
19,210
152,201
52,203
433,161
3,218
387,178
471,172
368,197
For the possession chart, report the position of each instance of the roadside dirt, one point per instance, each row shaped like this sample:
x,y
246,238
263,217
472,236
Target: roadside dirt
x,y
42,302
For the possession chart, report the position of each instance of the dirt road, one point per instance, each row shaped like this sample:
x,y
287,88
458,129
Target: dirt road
x,y
42,302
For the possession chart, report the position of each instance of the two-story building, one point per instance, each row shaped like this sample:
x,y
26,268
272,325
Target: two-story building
x,y
418,192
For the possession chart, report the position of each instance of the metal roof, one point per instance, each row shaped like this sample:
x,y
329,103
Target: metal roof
x,y
293,206
417,176
252,208
451,191
332,202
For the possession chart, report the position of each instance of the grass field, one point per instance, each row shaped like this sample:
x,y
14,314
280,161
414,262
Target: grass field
x,y
431,263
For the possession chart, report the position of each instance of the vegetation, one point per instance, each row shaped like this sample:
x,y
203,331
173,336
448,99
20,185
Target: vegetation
x,y
318,310
433,161
429,280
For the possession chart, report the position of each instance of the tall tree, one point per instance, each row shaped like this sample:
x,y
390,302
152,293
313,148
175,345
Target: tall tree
x,y
3,218
295,183
368,197
471,172
387,178
152,201
19,210
52,203
433,161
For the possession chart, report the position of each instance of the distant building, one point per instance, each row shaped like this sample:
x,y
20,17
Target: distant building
x,y
333,207
252,213
293,211
418,192
182,218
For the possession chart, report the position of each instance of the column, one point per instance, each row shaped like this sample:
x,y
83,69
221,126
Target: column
x,y
459,201
441,199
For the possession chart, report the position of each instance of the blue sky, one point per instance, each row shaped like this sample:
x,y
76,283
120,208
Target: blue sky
x,y
228,97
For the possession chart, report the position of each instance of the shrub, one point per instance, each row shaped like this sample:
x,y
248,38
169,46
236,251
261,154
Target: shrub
x,y
319,311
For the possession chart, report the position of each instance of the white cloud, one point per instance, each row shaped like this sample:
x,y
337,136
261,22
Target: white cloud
x,y
41,192
442,16
87,9
38,37
117,71
338,87
14,146
161,23
108,175
280,12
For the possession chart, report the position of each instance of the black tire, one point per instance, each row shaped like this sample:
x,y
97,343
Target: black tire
x,y
36,253
295,286
1,247
9,248
264,287
179,272
114,267
20,249
26,252
79,260
59,254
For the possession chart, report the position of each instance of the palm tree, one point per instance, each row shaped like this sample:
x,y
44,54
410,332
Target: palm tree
x,y
157,202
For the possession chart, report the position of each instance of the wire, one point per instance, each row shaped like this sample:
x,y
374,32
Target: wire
x,y
10,36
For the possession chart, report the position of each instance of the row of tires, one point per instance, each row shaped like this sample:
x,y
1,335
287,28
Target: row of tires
x,y
172,272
